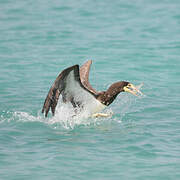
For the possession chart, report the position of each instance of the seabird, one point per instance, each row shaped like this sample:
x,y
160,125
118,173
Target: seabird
x,y
73,84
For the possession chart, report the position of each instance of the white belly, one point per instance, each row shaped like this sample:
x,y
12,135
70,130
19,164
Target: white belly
x,y
94,106
89,103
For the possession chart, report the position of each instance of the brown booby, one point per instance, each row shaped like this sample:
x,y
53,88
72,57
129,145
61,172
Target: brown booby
x,y
73,84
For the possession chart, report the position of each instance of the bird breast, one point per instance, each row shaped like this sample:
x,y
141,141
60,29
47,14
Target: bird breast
x,y
95,106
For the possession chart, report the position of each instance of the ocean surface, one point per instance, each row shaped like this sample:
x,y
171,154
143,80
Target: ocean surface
x,y
137,41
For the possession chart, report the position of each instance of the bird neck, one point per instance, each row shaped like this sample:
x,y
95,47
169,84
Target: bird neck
x,y
110,97
107,97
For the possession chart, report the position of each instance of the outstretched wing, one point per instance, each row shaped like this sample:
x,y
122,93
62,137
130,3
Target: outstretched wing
x,y
84,76
69,85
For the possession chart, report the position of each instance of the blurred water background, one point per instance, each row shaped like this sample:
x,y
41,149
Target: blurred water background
x,y
137,41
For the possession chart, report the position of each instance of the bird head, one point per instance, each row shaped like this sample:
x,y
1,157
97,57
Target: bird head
x,y
128,87
107,97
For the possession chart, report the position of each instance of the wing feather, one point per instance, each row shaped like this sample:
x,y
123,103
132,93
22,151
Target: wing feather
x,y
69,85
84,76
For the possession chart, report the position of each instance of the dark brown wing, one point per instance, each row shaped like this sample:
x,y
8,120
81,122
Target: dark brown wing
x,y
84,76
54,92
69,85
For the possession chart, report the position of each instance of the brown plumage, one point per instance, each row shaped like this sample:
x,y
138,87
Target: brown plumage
x,y
84,76
73,84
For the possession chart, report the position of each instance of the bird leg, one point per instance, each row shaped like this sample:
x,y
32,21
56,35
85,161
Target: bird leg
x,y
96,115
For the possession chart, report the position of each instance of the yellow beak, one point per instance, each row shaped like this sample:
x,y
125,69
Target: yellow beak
x,y
132,89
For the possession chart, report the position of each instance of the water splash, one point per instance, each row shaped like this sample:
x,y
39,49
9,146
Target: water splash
x,y
67,118
64,118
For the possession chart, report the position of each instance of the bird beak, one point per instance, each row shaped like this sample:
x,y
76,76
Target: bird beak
x,y
132,89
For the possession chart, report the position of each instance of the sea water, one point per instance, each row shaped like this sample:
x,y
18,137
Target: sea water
x,y
137,41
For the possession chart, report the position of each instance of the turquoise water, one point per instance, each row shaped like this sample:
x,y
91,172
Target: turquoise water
x,y
137,41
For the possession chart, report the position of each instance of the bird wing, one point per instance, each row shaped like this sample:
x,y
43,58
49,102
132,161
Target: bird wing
x,y
84,76
69,85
